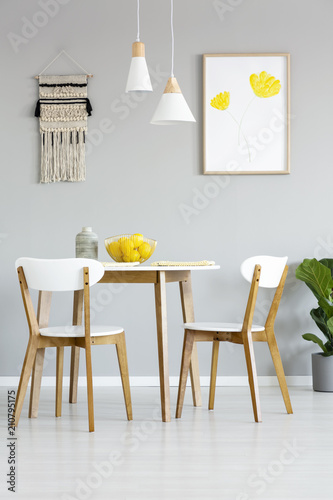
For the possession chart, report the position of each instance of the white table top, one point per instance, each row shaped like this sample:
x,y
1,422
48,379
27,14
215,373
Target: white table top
x,y
160,268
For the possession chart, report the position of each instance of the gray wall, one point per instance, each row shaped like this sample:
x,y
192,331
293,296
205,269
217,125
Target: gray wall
x,y
139,175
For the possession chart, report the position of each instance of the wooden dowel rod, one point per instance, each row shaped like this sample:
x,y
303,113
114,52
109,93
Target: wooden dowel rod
x,y
88,76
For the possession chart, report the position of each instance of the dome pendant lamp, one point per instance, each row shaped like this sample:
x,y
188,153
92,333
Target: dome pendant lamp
x,y
172,107
138,78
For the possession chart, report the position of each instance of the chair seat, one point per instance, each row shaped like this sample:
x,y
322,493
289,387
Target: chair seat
x,y
220,327
78,331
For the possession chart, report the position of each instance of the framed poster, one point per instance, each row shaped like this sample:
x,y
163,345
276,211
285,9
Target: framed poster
x,y
246,110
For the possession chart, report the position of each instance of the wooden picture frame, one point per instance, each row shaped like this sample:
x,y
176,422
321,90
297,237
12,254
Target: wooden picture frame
x,y
246,114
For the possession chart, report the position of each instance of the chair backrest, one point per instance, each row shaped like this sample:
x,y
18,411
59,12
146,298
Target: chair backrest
x,y
271,269
59,275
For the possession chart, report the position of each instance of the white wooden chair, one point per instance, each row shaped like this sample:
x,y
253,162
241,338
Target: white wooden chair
x,y
66,275
260,271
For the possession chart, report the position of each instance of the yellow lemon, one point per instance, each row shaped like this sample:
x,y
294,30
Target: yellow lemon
x,y
144,250
115,249
134,256
137,239
126,245
123,238
126,258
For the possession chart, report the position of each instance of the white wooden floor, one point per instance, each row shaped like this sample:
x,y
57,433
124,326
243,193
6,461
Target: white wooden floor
x,y
221,454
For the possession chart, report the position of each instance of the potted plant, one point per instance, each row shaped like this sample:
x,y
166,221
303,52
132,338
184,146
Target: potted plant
x,y
318,276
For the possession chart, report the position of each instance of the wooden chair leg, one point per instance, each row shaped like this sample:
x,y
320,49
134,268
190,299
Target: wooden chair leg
x,y
75,351
28,363
59,375
195,377
252,374
123,367
213,373
186,296
43,313
36,381
74,374
274,350
184,368
90,394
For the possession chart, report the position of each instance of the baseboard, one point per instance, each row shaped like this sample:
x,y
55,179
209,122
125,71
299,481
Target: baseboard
x,y
265,381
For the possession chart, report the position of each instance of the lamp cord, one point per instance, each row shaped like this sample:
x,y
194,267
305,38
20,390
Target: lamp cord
x,y
138,21
172,42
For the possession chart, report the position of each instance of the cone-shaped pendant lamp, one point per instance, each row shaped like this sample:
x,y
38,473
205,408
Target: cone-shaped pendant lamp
x,y
138,78
172,107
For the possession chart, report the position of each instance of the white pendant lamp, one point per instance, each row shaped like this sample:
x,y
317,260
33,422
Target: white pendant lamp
x,y
172,107
138,78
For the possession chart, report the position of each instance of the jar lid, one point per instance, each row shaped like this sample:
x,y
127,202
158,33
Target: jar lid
x,y
87,228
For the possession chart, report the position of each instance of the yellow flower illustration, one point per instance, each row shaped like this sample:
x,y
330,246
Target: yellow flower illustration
x,y
265,85
221,101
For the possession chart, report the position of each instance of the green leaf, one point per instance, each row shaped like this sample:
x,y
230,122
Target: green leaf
x,y
316,340
327,306
328,263
329,346
330,327
320,318
317,277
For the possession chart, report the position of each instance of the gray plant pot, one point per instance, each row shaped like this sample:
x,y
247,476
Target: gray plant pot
x,y
322,372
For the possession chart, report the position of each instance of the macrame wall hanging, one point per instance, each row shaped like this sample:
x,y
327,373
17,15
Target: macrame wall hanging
x,y
62,108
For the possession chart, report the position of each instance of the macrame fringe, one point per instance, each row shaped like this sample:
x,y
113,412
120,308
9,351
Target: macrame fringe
x,y
63,155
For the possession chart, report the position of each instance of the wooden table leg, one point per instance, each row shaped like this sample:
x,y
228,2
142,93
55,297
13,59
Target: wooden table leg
x,y
43,314
188,317
75,353
162,341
